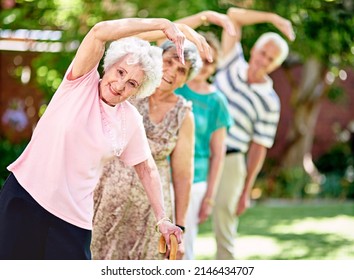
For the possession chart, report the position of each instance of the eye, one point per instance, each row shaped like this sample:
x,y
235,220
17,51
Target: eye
x,y
182,70
133,84
168,61
120,72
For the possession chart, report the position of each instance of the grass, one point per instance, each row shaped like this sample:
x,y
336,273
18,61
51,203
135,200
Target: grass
x,y
289,231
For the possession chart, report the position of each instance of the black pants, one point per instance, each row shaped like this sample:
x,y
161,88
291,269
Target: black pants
x,y
28,231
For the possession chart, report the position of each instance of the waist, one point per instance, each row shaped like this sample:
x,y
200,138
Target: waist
x,y
233,151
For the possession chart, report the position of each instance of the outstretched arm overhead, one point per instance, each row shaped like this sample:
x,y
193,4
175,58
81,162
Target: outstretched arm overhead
x,y
193,36
242,17
92,47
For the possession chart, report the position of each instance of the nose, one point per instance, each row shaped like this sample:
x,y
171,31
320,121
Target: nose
x,y
118,86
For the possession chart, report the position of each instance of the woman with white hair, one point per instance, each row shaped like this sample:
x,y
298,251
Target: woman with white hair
x,y
124,220
46,204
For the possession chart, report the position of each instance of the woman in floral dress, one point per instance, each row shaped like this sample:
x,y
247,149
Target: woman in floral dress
x,y
124,224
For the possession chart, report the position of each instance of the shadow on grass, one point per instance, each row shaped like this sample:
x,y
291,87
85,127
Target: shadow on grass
x,y
293,232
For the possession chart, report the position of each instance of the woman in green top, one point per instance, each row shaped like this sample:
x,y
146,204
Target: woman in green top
x,y
212,120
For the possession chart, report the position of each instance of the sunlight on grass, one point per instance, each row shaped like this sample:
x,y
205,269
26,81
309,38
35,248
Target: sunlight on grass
x,y
309,231
256,245
340,224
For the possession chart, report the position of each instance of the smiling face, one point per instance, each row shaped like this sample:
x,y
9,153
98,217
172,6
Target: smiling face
x,y
174,72
121,81
262,59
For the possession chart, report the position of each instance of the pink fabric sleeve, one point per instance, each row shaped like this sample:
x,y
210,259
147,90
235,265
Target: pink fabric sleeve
x,y
137,149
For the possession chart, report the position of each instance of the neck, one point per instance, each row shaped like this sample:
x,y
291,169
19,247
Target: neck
x,y
255,77
161,95
201,86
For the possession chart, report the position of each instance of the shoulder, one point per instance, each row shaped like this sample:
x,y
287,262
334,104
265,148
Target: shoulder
x,y
183,103
235,55
131,111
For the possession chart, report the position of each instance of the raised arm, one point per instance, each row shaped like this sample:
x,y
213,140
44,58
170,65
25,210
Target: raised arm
x,y
193,36
92,47
242,17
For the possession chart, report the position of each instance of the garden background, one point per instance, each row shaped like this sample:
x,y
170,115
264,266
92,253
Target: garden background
x,y
303,199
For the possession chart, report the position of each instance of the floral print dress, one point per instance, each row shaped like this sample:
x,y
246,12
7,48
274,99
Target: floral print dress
x,y
124,222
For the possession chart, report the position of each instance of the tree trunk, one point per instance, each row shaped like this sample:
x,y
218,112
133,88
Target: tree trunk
x,y
305,104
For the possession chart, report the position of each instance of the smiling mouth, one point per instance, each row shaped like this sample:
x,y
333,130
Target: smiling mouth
x,y
167,81
114,92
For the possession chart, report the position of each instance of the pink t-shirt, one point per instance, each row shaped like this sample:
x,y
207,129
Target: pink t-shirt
x,y
74,138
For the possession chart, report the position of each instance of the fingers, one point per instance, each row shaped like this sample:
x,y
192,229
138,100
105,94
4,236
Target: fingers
x,y
180,49
291,35
204,48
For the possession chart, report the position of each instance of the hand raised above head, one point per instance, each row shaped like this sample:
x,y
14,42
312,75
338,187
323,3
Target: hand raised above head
x,y
221,20
285,26
196,38
174,34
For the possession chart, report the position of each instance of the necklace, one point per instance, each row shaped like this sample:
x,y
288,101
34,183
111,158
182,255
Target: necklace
x,y
112,132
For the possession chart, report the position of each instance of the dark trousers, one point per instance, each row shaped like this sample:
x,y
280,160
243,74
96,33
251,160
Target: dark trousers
x,y
29,232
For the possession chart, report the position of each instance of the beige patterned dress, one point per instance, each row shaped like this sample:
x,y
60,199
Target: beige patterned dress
x,y
124,222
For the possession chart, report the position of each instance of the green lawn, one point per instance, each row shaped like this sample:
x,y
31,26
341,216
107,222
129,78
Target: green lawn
x,y
289,231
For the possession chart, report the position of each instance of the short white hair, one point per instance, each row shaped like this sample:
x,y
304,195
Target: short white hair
x,y
191,54
278,40
140,52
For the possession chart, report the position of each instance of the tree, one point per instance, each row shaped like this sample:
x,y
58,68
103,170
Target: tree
x,y
324,46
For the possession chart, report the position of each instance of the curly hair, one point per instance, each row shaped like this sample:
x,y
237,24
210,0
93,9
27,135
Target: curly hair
x,y
140,52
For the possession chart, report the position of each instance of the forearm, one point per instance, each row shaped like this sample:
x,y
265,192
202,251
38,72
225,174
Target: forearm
x,y
216,164
196,20
255,160
182,187
248,17
115,29
150,179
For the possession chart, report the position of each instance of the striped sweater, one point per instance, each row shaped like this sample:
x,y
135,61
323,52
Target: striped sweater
x,y
255,108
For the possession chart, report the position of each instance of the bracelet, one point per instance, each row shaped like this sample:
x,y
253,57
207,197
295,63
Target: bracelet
x,y
204,20
161,221
182,228
209,201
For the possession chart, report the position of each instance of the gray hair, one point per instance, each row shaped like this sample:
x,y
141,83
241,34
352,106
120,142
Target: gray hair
x,y
140,52
278,40
191,54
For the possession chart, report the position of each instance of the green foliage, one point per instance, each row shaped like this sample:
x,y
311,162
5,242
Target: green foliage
x,y
337,167
323,28
9,152
283,183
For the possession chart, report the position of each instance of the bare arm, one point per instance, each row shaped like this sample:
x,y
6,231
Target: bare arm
x,y
150,178
206,17
216,163
191,35
182,165
255,159
92,47
242,17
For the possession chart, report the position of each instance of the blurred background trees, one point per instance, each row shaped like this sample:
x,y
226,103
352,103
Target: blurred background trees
x,y
321,59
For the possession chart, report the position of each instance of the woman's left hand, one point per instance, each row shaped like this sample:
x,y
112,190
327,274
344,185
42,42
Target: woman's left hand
x,y
167,228
199,40
177,37
205,210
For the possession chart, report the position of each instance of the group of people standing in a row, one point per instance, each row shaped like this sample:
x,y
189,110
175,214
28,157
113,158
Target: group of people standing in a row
x,y
152,147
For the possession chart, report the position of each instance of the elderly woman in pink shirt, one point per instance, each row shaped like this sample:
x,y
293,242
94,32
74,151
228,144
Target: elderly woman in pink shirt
x,y
46,204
